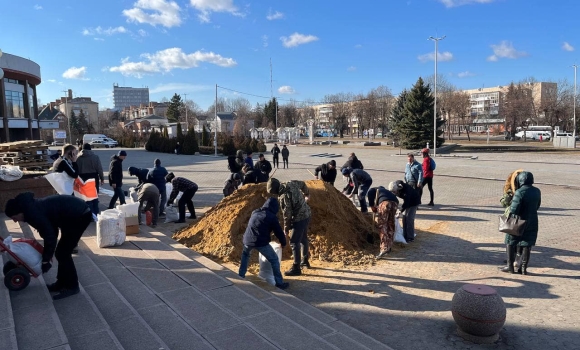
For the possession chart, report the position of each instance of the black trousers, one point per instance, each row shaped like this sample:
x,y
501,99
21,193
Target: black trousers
x,y
70,234
186,198
276,161
285,162
427,181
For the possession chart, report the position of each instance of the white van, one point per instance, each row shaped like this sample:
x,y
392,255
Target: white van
x,y
88,138
534,135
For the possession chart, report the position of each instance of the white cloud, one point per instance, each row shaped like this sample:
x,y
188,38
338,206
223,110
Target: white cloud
x,y
441,57
166,60
37,7
155,12
465,74
567,47
104,31
351,69
297,39
141,32
51,80
99,39
273,16
505,49
358,46
75,73
286,90
265,40
206,7
455,3
179,87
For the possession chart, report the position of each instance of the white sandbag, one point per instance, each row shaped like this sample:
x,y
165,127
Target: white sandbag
x,y
133,195
129,210
399,238
26,253
171,214
266,273
111,230
10,173
61,182
168,189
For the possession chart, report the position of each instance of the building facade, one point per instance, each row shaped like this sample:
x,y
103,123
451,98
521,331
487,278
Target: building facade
x,y
89,108
143,110
18,109
128,96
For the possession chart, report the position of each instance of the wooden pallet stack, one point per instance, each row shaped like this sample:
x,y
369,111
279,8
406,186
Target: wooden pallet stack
x,y
28,155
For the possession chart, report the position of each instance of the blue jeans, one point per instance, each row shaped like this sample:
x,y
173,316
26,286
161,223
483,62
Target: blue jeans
x,y
362,194
163,194
94,205
117,194
268,252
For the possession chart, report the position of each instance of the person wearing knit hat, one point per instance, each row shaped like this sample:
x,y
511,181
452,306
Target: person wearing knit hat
x,y
156,176
327,172
263,165
47,215
116,178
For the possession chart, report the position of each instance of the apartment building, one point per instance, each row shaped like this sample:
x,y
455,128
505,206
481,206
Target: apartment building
x,y
143,110
129,96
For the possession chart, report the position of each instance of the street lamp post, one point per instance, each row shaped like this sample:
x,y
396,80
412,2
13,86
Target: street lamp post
x,y
436,40
67,116
574,131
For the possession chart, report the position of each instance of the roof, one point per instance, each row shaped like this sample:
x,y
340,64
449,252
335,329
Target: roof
x,y
488,121
152,116
48,113
226,116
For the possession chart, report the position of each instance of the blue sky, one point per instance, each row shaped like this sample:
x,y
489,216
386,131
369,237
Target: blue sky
x,y
317,47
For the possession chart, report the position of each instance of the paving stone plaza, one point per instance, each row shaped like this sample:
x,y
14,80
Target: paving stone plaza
x,y
402,302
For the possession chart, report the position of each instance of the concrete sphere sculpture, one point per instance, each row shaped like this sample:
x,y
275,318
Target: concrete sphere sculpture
x,y
479,313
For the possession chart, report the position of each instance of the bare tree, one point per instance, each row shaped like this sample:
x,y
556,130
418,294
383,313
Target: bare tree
x,y
359,108
557,104
517,106
384,105
341,110
459,108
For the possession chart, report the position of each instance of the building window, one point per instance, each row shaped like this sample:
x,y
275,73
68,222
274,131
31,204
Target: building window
x,y
15,104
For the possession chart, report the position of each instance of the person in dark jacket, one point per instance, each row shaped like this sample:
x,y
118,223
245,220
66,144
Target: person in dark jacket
x,y
384,203
232,184
362,182
409,208
178,148
181,184
249,159
285,155
525,204
263,165
90,167
275,155
47,215
68,162
116,178
140,174
157,176
262,223
327,172
240,159
252,176
56,155
354,163
150,194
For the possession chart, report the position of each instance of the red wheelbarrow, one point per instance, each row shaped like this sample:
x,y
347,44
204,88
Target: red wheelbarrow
x,y
17,275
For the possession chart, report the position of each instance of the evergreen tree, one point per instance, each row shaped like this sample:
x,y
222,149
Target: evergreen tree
x,y
204,136
73,123
165,132
82,124
270,112
416,127
397,113
173,111
190,145
179,133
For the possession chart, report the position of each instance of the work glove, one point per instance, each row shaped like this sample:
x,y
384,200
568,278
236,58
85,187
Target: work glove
x,y
46,267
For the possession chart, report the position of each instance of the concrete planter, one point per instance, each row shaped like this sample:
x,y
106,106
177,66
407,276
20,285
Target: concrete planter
x,y
479,313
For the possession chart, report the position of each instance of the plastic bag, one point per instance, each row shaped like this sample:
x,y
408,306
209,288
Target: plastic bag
x,y
129,210
111,230
25,252
85,190
266,273
399,238
61,182
10,173
168,189
171,214
133,195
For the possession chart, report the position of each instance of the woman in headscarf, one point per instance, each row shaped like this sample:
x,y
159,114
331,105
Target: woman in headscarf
x,y
509,189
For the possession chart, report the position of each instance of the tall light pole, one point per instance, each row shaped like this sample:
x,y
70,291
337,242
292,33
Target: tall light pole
x,y
216,121
185,104
436,40
574,132
67,116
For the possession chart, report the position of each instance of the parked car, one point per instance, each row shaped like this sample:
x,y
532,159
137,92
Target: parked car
x,y
546,136
57,143
101,144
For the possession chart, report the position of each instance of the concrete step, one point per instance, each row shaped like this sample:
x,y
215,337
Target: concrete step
x,y
7,330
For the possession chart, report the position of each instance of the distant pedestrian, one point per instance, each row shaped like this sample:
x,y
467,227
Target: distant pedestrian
x,y
510,187
232,184
327,172
384,203
411,201
116,178
262,223
414,174
275,154
56,155
293,198
189,188
525,204
90,167
285,155
263,165
428,169
249,159
362,182
149,193
240,161
157,176
47,215
177,148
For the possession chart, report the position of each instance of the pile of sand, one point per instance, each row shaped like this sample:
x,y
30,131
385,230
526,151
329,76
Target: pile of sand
x,y
338,231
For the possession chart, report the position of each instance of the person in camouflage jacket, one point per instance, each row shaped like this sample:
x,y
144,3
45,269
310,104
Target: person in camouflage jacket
x,y
296,214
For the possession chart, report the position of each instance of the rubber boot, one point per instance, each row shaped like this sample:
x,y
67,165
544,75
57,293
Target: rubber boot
x,y
511,257
518,262
525,260
305,263
294,271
